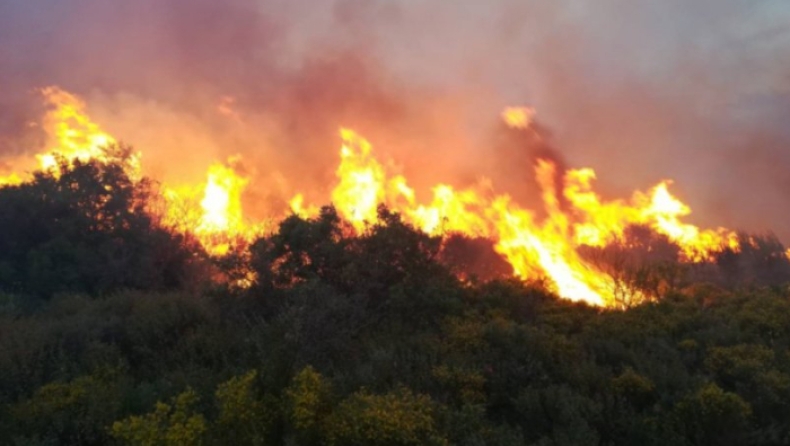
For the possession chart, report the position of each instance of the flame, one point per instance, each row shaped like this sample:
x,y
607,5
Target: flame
x,y
212,211
71,135
545,246
222,200
530,248
361,186
296,204
11,179
518,117
76,136
215,219
599,221
533,248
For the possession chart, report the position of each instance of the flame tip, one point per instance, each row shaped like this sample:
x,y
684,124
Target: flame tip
x,y
575,215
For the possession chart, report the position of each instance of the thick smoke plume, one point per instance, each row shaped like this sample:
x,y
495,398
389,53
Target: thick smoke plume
x,y
639,90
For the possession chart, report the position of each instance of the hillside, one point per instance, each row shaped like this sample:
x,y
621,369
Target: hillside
x,y
116,330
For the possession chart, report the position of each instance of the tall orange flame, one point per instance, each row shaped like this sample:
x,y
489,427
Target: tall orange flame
x,y
71,134
212,211
549,247
575,215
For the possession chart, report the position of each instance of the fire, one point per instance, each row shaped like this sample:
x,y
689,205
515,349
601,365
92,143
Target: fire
x,y
10,179
297,207
222,200
74,134
71,134
547,246
533,248
518,117
530,248
598,222
361,186
212,211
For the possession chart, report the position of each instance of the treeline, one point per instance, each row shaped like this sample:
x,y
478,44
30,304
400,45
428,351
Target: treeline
x,y
84,228
110,334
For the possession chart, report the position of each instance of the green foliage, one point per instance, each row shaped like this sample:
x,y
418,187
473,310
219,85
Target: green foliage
x,y
468,385
243,418
395,418
73,412
363,339
308,402
635,388
558,414
738,363
174,424
714,417
390,256
84,228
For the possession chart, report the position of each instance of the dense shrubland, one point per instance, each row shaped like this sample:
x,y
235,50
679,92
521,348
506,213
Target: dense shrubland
x,y
110,334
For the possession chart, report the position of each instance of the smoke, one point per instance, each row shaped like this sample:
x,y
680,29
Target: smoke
x,y
639,90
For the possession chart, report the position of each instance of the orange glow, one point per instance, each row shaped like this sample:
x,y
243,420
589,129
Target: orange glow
x,y
222,200
598,221
71,134
212,211
296,204
11,179
76,136
530,248
545,247
518,117
361,186
533,248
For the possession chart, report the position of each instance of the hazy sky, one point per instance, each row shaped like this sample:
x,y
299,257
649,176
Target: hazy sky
x,y
641,90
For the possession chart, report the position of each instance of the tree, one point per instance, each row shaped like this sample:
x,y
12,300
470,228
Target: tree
x,y
759,260
84,228
174,424
243,417
642,266
308,403
301,250
398,418
712,416
73,412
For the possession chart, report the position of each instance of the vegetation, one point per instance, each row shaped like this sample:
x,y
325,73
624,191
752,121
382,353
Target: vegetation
x,y
110,335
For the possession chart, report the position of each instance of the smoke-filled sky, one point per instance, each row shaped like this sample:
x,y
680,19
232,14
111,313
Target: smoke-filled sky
x,y
640,90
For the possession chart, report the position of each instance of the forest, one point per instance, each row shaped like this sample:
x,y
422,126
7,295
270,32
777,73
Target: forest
x,y
115,329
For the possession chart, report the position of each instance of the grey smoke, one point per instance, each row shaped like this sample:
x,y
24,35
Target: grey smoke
x,y
639,90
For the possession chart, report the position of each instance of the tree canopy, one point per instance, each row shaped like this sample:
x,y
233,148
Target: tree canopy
x,y
385,337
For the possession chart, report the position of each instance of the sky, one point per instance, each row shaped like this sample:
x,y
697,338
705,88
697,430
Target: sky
x,y
639,90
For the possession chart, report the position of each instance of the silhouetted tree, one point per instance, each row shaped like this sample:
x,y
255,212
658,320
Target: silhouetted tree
x,y
83,227
760,260
641,266
473,258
